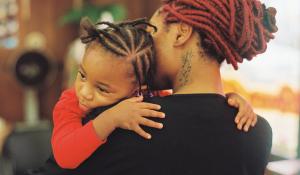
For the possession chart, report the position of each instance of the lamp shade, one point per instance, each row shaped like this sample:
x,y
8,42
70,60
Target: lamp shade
x,y
31,68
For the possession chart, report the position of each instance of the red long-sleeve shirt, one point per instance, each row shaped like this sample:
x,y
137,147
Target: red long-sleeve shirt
x,y
72,143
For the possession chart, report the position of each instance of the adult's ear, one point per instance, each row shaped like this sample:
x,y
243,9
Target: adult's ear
x,y
183,34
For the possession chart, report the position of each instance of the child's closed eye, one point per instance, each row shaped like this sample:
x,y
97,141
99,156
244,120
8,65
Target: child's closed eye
x,y
103,90
82,76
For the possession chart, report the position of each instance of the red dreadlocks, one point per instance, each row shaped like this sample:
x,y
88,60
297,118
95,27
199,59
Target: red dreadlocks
x,y
232,29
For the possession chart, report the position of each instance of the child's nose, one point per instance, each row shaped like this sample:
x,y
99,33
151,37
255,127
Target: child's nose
x,y
86,93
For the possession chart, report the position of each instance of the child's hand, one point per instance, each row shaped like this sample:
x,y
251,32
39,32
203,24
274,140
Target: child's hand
x,y
131,113
246,116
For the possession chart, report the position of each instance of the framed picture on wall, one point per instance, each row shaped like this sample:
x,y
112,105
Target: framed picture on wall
x,y
9,24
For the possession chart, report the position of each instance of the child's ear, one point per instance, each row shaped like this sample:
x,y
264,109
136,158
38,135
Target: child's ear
x,y
183,34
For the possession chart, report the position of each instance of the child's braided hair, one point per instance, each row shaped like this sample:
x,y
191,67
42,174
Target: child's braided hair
x,y
127,40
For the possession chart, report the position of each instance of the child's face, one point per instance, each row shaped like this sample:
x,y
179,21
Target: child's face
x,y
103,79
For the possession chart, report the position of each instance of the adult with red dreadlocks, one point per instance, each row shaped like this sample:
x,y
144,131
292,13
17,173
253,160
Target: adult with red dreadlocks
x,y
193,38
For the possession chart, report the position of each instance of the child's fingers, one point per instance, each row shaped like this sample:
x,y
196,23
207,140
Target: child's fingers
x,y
136,99
241,123
150,123
240,115
233,102
151,113
149,106
141,132
254,121
248,124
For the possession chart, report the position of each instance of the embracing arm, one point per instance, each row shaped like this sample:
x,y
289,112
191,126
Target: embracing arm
x,y
245,117
72,143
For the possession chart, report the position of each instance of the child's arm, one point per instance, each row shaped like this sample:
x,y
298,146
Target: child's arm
x,y
246,116
73,143
128,114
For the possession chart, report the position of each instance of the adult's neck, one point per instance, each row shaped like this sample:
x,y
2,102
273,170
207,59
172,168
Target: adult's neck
x,y
198,74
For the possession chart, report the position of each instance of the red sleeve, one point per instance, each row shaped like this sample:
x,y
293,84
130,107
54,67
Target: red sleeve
x,y
72,143
162,93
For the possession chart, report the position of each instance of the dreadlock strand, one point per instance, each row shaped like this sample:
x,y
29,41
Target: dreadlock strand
x,y
231,30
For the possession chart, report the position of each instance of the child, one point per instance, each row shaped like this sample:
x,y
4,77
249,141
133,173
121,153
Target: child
x,y
118,60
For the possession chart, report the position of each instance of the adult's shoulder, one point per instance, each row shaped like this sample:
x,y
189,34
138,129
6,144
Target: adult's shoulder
x,y
263,127
264,133
257,146
261,133
157,100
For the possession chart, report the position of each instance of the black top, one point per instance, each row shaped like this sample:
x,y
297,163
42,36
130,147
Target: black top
x,y
199,137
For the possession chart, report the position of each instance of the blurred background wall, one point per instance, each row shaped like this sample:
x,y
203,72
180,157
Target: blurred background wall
x,y
43,17
49,28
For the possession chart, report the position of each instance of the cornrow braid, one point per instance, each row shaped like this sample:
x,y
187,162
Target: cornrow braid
x,y
229,29
127,40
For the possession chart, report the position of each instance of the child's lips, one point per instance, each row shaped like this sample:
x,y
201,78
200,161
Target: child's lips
x,y
83,107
